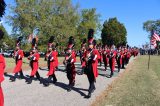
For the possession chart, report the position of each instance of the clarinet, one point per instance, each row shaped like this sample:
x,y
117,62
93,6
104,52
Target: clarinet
x,y
82,57
105,54
118,56
89,57
111,55
31,57
67,61
16,56
49,56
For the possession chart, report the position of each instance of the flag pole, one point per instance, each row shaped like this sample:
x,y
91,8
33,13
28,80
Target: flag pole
x,y
149,50
149,54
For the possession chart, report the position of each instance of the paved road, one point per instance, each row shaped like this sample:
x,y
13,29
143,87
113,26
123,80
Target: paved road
x,y
21,94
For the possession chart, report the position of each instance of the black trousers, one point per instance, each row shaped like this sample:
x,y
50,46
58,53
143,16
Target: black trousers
x,y
127,60
99,61
123,62
70,74
90,77
118,64
105,63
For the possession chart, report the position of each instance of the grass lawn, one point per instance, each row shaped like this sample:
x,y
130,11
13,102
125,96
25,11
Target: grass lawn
x,y
137,86
10,63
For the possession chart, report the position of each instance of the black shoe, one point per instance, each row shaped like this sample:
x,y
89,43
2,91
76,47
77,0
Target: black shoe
x,y
54,81
111,75
69,89
46,84
49,78
25,80
40,81
12,79
21,77
29,81
81,73
73,83
93,89
88,96
118,70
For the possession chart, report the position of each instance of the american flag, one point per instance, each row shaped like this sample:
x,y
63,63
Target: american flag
x,y
154,38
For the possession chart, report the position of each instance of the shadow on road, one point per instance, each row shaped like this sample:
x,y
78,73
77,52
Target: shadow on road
x,y
65,87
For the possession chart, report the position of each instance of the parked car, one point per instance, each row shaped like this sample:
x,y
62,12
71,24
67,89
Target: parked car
x,y
42,54
8,53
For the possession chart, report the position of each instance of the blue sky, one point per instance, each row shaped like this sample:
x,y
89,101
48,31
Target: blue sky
x,y
132,13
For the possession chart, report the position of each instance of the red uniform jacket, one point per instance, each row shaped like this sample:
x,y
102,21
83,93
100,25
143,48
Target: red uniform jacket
x,y
128,54
105,54
2,67
100,55
95,51
74,55
35,58
72,66
83,59
52,62
95,61
113,59
18,56
56,58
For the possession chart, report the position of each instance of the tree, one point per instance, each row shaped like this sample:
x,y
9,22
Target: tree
x,y
113,32
152,25
7,42
52,17
2,7
89,19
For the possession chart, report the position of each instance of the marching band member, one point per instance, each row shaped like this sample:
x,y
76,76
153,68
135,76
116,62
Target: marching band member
x,y
123,53
128,55
100,54
18,56
105,56
34,58
2,67
82,57
50,42
91,63
119,59
51,58
69,63
112,56
56,56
